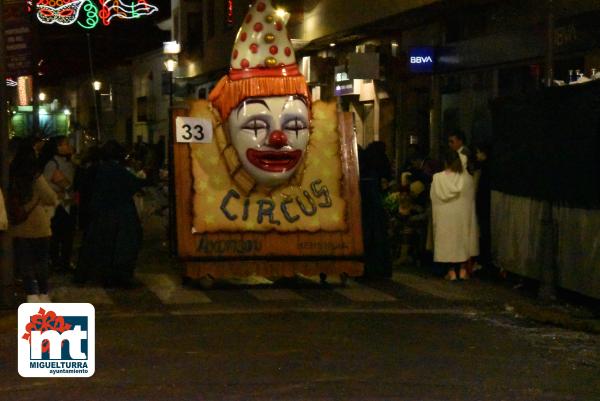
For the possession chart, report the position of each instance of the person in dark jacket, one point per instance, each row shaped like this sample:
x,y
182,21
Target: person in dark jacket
x,y
483,204
374,169
83,185
113,239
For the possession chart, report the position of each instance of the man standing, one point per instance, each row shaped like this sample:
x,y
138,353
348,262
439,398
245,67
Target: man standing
x,y
456,142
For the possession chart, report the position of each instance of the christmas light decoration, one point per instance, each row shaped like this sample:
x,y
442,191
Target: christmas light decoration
x,y
119,9
62,12
91,13
66,12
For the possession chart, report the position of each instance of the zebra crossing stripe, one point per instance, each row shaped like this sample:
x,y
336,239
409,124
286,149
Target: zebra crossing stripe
x,y
334,280
275,295
365,294
93,295
168,289
437,288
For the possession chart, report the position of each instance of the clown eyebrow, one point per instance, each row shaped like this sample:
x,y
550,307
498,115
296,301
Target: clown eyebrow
x,y
295,97
251,101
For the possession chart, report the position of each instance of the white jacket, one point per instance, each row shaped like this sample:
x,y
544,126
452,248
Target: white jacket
x,y
455,231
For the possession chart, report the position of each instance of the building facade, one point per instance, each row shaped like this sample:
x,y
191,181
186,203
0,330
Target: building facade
x,y
366,58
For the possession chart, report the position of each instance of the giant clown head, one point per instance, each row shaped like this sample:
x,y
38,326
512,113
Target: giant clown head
x,y
264,100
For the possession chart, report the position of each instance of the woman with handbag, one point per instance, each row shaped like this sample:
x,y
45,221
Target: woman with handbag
x,y
28,195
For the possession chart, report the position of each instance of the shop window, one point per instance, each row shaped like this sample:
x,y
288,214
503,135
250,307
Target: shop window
x,y
195,34
210,20
142,108
468,25
516,80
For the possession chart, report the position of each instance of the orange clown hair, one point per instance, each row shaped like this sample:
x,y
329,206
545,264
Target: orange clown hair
x,y
228,93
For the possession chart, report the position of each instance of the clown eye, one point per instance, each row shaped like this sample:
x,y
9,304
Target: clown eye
x,y
257,127
66,12
295,125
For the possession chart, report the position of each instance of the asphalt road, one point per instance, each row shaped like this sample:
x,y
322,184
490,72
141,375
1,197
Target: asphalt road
x,y
280,351
414,338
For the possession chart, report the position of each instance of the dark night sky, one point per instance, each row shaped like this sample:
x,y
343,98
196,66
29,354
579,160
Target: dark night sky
x,y
64,49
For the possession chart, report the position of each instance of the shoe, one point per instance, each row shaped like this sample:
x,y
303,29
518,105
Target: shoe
x,y
451,276
44,298
33,299
463,274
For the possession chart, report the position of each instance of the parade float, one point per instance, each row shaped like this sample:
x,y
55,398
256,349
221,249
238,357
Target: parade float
x,y
266,181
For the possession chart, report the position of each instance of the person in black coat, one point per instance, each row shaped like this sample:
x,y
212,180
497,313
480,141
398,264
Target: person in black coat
x,y
113,239
374,169
483,204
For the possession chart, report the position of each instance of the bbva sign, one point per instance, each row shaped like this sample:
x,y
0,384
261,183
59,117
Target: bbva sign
x,y
421,60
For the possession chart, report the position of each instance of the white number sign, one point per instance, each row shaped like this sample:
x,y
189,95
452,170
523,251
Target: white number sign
x,y
193,130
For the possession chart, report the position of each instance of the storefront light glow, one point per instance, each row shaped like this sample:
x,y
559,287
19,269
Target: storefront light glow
x,y
172,47
25,90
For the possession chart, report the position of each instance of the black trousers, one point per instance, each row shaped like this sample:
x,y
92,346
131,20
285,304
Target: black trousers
x,y
61,243
31,260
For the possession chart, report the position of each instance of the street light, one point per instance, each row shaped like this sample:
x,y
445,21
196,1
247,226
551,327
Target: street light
x,y
97,85
171,66
171,51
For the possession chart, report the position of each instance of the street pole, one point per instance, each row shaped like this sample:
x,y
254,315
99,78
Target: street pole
x,y
6,262
170,51
89,46
171,170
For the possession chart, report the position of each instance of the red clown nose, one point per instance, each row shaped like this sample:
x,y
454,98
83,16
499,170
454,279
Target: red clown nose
x,y
277,139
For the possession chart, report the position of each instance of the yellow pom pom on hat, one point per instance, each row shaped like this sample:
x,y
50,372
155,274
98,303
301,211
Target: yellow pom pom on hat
x,y
262,63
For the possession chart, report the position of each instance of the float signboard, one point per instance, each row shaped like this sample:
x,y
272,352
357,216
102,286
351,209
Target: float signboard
x,y
263,174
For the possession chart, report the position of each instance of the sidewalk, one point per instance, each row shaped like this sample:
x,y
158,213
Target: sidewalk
x,y
569,310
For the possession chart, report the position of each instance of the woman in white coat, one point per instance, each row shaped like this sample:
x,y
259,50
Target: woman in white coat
x,y
455,232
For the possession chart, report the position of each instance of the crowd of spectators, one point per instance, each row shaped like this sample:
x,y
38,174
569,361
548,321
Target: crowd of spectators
x,y
54,194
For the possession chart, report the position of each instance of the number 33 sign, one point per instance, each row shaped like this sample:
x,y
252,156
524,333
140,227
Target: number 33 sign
x,y
193,130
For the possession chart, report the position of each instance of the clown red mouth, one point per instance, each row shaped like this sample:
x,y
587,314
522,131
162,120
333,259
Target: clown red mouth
x,y
274,161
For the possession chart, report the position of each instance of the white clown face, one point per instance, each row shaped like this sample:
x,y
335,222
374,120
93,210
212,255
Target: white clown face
x,y
270,135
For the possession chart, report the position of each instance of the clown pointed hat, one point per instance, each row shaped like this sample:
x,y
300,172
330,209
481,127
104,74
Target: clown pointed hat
x,y
262,63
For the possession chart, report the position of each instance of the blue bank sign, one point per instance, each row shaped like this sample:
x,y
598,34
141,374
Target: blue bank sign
x,y
421,59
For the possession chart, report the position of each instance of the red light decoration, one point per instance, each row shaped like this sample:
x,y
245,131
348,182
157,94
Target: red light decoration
x,y
229,13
